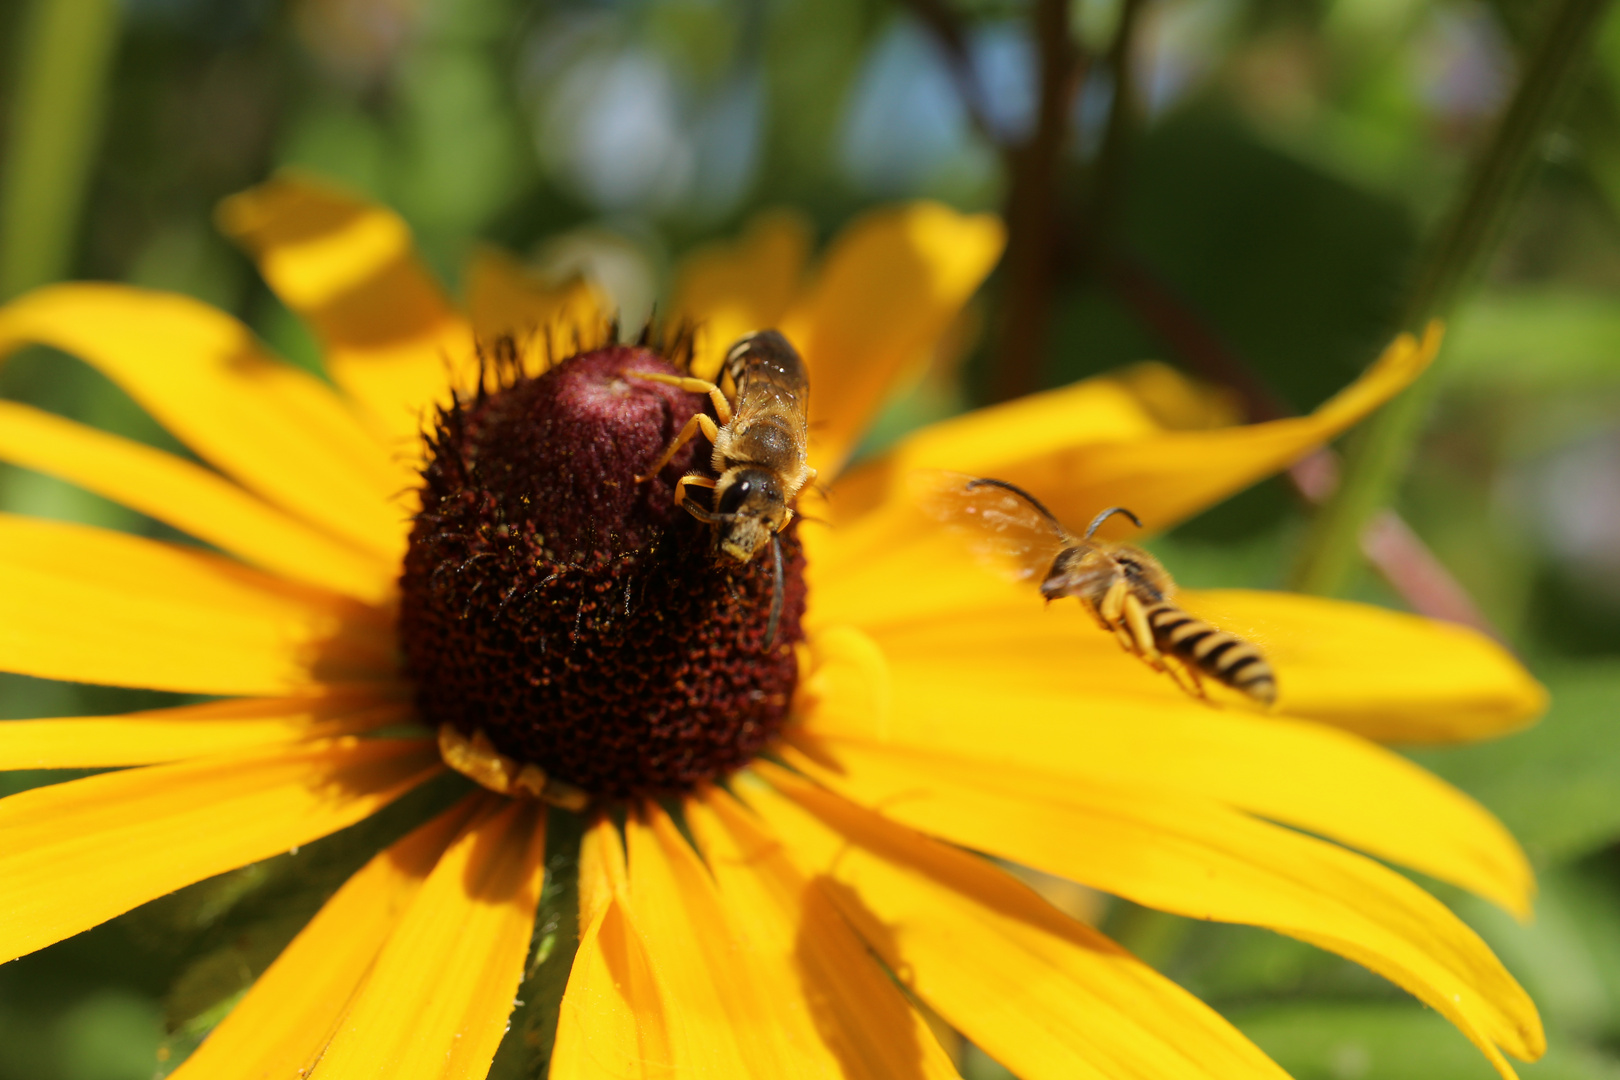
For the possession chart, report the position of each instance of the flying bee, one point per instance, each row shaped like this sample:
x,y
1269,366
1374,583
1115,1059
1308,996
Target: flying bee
x,y
760,447
1125,589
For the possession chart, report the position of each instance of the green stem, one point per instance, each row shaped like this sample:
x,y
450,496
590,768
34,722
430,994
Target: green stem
x,y
1377,455
63,57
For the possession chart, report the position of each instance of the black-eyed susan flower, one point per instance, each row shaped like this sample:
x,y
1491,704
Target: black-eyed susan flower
x,y
552,626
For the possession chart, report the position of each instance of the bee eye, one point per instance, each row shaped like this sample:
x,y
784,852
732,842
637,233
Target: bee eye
x,y
734,496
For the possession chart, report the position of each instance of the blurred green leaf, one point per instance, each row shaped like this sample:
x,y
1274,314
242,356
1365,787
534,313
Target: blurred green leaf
x,y
1331,1041
1568,955
1297,270
1537,340
1553,785
217,936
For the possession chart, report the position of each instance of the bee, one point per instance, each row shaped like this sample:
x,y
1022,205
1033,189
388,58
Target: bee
x,y
1125,589
760,448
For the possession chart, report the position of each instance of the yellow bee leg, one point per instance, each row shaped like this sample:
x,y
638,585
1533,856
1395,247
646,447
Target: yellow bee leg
x,y
1095,614
1136,621
1113,602
690,481
722,407
698,421
1185,676
1192,675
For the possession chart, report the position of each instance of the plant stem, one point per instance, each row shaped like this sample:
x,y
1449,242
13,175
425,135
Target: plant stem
x,y
63,56
947,29
1031,262
1378,454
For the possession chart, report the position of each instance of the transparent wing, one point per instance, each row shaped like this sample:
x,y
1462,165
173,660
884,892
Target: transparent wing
x,y
1004,528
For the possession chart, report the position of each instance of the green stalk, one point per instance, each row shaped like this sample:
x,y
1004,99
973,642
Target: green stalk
x,y
65,50
1377,455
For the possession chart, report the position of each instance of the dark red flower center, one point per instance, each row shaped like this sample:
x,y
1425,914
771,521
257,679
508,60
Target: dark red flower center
x,y
576,618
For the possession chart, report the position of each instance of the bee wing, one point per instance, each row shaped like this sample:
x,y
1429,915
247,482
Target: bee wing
x,y
1003,528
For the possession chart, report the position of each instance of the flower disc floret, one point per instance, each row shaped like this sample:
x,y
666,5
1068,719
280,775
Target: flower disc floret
x,y
574,615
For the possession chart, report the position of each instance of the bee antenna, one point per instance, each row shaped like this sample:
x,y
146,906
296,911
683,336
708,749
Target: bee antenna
x,y
1057,527
1096,522
776,593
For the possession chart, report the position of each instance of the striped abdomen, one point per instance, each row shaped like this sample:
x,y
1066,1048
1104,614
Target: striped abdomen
x,y
1226,658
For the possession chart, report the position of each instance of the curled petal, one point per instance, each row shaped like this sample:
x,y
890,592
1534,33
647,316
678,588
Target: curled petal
x,y
1075,450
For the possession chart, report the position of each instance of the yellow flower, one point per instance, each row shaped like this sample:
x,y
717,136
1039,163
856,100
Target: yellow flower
x,y
937,709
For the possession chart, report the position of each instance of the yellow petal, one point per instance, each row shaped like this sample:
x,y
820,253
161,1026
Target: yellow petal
x,y
727,290
613,1024
1098,410
75,854
1382,674
602,876
192,499
1379,673
1041,993
717,998
1191,856
1177,402
547,322
841,1011
285,1020
436,1003
349,267
89,605
280,432
1171,476
887,290
217,727
1041,713
1071,449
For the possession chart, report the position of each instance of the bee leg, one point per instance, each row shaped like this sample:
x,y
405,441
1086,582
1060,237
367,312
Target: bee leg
x,y
1197,683
1180,670
1136,621
1185,676
698,421
1112,604
1095,614
1141,634
722,407
690,481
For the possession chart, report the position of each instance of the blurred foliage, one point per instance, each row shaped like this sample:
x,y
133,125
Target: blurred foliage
x,y
1285,165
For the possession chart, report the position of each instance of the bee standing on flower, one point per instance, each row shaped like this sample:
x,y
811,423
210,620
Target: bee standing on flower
x,y
1124,587
760,447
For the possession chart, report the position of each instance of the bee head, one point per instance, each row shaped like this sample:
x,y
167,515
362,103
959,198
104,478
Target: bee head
x,y
1083,572
750,509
